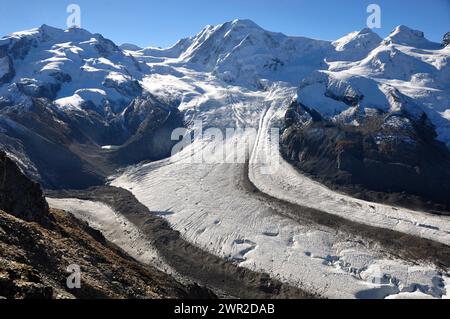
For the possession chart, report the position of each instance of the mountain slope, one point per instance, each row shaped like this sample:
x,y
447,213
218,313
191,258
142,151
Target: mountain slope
x,y
356,45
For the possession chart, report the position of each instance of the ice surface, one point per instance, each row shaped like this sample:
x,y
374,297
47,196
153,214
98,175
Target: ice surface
x,y
114,227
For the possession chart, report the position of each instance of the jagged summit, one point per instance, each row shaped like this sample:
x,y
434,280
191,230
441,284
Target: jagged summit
x,y
245,23
356,38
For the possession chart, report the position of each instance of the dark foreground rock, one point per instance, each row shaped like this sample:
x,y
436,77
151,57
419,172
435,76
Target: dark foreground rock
x,y
38,246
389,158
34,262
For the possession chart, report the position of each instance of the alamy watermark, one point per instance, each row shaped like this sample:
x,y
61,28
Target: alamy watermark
x,y
227,146
374,20
73,281
74,19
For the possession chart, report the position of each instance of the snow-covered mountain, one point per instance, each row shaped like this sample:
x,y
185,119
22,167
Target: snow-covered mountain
x,y
71,67
71,102
356,45
241,51
105,91
405,71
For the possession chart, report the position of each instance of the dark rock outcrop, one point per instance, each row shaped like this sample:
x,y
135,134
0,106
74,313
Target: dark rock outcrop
x,y
446,39
390,158
129,88
20,196
152,123
33,88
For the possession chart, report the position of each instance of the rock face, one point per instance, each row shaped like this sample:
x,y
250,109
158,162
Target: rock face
x,y
20,196
446,40
391,158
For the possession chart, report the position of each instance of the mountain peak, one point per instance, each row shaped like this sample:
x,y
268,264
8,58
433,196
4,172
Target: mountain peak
x,y
357,45
363,35
48,32
366,31
403,31
404,35
245,23
46,28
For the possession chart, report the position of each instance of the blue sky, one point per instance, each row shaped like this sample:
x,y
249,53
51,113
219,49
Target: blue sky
x,y
162,23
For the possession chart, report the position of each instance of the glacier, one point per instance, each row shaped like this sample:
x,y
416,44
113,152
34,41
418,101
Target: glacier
x,y
238,75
